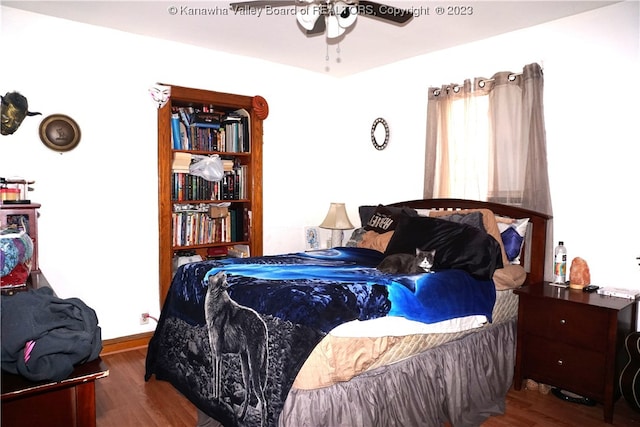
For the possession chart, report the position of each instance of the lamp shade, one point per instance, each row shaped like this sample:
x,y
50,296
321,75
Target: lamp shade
x,y
337,218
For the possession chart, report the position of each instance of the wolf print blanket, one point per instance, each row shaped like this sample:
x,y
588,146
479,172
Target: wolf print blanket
x,y
234,333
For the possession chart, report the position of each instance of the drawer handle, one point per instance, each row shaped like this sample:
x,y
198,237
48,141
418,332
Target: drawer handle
x,y
562,321
560,362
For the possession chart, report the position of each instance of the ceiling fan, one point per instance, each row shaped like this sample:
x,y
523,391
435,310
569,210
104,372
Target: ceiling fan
x,y
334,16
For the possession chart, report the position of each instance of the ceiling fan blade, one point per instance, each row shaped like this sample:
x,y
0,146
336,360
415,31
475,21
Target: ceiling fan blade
x,y
318,28
259,4
372,9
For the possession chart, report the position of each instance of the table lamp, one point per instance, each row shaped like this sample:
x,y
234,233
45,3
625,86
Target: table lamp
x,y
337,220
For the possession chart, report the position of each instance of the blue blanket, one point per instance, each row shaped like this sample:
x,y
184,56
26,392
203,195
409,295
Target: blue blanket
x,y
298,298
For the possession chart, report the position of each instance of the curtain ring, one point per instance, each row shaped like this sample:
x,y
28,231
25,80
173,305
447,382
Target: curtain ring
x,y
481,83
512,77
436,92
456,89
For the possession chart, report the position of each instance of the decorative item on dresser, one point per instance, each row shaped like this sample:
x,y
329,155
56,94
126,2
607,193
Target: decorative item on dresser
x,y
349,345
27,214
572,340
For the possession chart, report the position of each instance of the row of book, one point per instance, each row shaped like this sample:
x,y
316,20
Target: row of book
x,y
200,228
235,251
195,130
233,186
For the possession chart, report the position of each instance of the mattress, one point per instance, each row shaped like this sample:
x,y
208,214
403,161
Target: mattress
x,y
339,358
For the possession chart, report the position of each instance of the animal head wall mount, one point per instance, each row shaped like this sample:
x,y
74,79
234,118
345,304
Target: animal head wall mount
x,y
14,109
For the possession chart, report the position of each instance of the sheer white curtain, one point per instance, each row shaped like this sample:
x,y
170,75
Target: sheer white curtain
x,y
486,141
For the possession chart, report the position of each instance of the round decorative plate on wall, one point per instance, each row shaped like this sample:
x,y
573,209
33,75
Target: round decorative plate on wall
x,y
380,133
59,132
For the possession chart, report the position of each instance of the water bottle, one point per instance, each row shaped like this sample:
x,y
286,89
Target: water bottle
x,y
560,263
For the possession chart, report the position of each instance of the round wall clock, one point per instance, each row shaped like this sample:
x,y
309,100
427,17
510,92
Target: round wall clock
x,y
380,133
59,132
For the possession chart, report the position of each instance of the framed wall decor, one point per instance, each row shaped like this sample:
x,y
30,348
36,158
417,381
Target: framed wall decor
x,y
59,132
311,238
380,134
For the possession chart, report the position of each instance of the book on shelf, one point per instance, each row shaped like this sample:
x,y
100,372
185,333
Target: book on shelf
x,y
207,125
176,140
631,294
209,223
181,162
185,115
206,120
217,252
179,133
207,130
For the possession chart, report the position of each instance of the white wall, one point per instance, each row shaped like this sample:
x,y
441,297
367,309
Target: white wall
x,y
98,221
591,64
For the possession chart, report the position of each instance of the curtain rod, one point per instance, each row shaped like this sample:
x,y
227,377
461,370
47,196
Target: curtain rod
x,y
481,83
511,78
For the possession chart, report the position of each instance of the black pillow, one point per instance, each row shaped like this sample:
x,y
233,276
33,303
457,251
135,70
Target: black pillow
x,y
367,212
474,219
458,246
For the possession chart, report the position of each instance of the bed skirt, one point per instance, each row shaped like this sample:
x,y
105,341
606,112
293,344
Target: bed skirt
x,y
463,382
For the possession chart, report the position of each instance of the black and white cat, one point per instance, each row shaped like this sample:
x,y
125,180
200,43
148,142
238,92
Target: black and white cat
x,y
421,262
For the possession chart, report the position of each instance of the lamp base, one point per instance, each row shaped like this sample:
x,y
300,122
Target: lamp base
x,y
336,238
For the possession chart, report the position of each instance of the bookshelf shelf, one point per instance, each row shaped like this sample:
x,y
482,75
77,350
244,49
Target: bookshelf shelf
x,y
189,217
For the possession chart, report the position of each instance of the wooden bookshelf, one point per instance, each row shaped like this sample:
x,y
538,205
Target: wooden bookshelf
x,y
248,158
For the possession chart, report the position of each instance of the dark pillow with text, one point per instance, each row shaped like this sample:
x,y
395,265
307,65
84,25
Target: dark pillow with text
x,y
382,218
458,246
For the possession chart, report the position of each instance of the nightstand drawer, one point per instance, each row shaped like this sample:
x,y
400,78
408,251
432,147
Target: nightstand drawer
x,y
583,326
566,366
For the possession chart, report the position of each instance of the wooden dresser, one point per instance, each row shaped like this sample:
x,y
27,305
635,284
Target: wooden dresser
x,y
67,403
571,339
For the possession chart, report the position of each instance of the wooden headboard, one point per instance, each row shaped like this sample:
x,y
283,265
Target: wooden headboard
x,y
533,256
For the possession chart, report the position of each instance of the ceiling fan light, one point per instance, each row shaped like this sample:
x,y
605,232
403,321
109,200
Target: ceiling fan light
x,y
333,27
307,16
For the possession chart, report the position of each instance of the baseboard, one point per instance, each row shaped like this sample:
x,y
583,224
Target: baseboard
x,y
129,342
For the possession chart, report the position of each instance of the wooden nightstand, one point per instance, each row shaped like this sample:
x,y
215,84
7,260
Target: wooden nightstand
x,y
570,339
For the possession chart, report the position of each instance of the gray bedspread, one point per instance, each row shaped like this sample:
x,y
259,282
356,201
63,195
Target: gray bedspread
x,y
461,382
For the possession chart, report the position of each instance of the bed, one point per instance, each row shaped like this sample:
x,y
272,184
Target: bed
x,y
323,338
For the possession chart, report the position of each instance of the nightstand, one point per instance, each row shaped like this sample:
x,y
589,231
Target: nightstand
x,y
572,340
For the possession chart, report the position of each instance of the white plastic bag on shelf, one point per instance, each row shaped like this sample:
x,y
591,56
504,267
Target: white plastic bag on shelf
x,y
207,167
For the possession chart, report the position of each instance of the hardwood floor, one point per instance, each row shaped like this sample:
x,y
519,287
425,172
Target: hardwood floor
x,y
124,399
